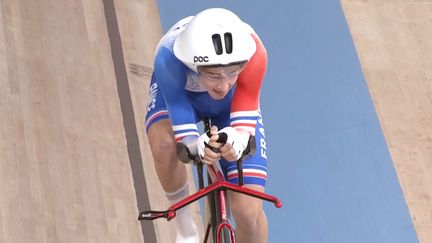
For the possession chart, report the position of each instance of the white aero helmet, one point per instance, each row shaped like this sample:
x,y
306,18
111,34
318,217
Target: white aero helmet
x,y
215,36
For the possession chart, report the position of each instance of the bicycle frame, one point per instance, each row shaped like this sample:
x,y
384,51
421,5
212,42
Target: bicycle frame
x,y
218,185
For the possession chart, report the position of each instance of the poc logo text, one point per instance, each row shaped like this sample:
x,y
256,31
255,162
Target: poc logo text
x,y
201,59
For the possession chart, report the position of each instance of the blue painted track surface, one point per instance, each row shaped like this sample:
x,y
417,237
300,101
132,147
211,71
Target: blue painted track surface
x,y
328,159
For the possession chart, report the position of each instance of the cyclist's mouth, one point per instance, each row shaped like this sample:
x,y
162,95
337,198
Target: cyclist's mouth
x,y
218,94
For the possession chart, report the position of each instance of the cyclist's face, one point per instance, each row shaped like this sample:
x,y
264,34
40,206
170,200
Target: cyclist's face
x,y
219,80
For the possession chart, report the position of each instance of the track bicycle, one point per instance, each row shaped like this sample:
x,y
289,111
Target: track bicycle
x,y
216,189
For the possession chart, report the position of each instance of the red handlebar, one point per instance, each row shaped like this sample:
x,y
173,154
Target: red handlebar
x,y
151,215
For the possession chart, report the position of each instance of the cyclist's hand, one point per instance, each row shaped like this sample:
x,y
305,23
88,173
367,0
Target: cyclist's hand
x,y
208,148
236,143
228,152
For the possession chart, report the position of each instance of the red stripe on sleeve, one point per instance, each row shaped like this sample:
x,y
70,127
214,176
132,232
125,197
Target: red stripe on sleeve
x,y
243,125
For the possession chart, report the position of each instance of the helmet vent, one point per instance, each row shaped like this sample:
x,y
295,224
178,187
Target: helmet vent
x,y
228,42
217,44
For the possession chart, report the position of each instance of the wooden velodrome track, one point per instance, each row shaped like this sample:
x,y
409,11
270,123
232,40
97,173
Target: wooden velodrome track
x,y
393,43
74,160
73,102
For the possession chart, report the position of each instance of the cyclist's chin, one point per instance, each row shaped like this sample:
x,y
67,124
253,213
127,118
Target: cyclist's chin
x,y
217,95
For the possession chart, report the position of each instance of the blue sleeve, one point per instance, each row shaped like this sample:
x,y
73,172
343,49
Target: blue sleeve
x,y
170,76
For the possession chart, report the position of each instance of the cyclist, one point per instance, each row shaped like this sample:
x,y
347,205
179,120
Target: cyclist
x,y
209,65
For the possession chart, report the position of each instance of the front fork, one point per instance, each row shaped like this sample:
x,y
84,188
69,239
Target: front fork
x,y
224,218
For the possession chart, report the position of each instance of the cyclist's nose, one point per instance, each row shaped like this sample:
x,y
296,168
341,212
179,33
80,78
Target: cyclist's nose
x,y
223,85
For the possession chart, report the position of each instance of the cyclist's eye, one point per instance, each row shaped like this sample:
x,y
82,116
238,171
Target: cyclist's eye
x,y
233,74
214,76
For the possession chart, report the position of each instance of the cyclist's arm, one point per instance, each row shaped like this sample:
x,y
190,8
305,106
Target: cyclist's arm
x,y
245,105
171,78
